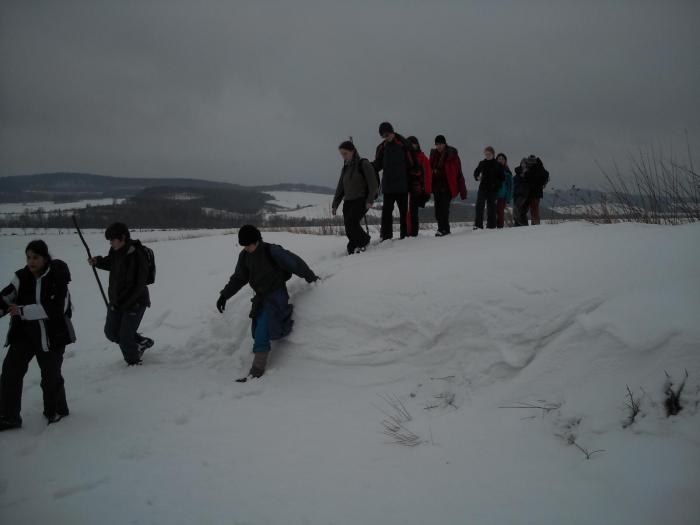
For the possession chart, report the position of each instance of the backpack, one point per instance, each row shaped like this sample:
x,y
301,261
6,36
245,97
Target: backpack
x,y
359,168
286,274
150,261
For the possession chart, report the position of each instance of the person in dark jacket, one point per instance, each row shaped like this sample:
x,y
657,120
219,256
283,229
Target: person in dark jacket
x,y
39,303
266,268
530,179
490,175
505,195
358,187
128,292
393,158
418,194
445,181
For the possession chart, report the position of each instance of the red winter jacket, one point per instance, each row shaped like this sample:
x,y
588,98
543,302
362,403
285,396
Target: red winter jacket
x,y
453,170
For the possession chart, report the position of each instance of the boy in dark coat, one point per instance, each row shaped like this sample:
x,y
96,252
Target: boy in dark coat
x,y
394,159
266,268
128,292
490,175
39,303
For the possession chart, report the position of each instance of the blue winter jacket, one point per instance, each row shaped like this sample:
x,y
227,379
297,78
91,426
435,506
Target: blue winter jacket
x,y
506,191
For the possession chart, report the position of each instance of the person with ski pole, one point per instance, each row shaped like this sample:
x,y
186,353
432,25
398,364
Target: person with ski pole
x,y
358,187
266,268
39,304
131,269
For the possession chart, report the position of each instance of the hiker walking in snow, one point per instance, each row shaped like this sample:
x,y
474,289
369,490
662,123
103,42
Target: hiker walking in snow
x,y
445,181
490,175
267,268
39,304
129,274
530,179
418,194
393,158
358,187
505,194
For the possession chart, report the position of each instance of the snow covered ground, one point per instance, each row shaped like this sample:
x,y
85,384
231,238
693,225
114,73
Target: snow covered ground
x,y
19,208
310,205
561,317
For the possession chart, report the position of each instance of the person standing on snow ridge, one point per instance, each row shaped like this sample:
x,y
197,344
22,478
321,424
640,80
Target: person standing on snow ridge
x,y
418,194
446,181
266,268
393,158
538,178
358,187
128,294
505,194
530,179
490,174
39,303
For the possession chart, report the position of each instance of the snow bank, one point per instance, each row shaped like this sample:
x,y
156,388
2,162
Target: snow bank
x,y
559,317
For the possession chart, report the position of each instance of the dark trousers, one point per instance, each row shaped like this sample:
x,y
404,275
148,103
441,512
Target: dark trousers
x,y
442,210
413,216
401,200
487,199
353,213
14,368
521,205
500,212
121,328
535,210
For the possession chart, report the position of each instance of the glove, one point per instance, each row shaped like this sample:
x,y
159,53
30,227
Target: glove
x,y
221,304
313,279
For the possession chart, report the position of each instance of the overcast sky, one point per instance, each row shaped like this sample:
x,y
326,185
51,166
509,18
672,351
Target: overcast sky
x,y
263,92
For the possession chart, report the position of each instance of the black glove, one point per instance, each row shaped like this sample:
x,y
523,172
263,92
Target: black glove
x,y
313,279
221,304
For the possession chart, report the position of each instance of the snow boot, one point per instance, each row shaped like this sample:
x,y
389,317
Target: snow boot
x,y
258,368
55,418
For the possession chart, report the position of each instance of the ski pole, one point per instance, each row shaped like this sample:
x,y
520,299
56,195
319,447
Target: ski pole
x,y
94,270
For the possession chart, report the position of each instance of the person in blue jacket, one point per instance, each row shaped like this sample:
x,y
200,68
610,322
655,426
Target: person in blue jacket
x,y
505,194
266,268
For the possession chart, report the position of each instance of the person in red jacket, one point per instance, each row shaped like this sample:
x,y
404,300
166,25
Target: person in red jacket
x,y
418,193
445,181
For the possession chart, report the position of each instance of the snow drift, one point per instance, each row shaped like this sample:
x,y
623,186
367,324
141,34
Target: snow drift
x,y
556,321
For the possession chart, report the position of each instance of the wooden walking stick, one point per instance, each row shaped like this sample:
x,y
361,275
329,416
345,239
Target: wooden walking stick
x,y
94,270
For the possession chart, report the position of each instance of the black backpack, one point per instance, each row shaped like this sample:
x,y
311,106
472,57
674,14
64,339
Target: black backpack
x,y
150,261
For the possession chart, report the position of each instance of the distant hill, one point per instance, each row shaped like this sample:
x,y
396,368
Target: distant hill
x,y
66,186
302,188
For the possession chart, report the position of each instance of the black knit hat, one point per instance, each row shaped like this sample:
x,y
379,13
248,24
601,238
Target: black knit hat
x,y
248,235
385,127
440,139
117,230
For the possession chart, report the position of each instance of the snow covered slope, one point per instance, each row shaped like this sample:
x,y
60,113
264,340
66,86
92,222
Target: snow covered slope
x,y
558,317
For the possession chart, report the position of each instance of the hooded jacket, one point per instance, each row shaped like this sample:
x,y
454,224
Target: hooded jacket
x,y
357,181
45,305
453,171
394,159
128,274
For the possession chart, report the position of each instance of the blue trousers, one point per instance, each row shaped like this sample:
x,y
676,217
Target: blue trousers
x,y
261,335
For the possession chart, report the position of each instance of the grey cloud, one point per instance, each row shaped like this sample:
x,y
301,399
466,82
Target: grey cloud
x,y
256,92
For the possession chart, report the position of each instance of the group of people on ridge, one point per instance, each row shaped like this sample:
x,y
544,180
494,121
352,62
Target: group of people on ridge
x,y
39,302
409,178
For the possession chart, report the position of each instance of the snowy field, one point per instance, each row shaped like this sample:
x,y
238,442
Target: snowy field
x,y
559,317
13,208
311,205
